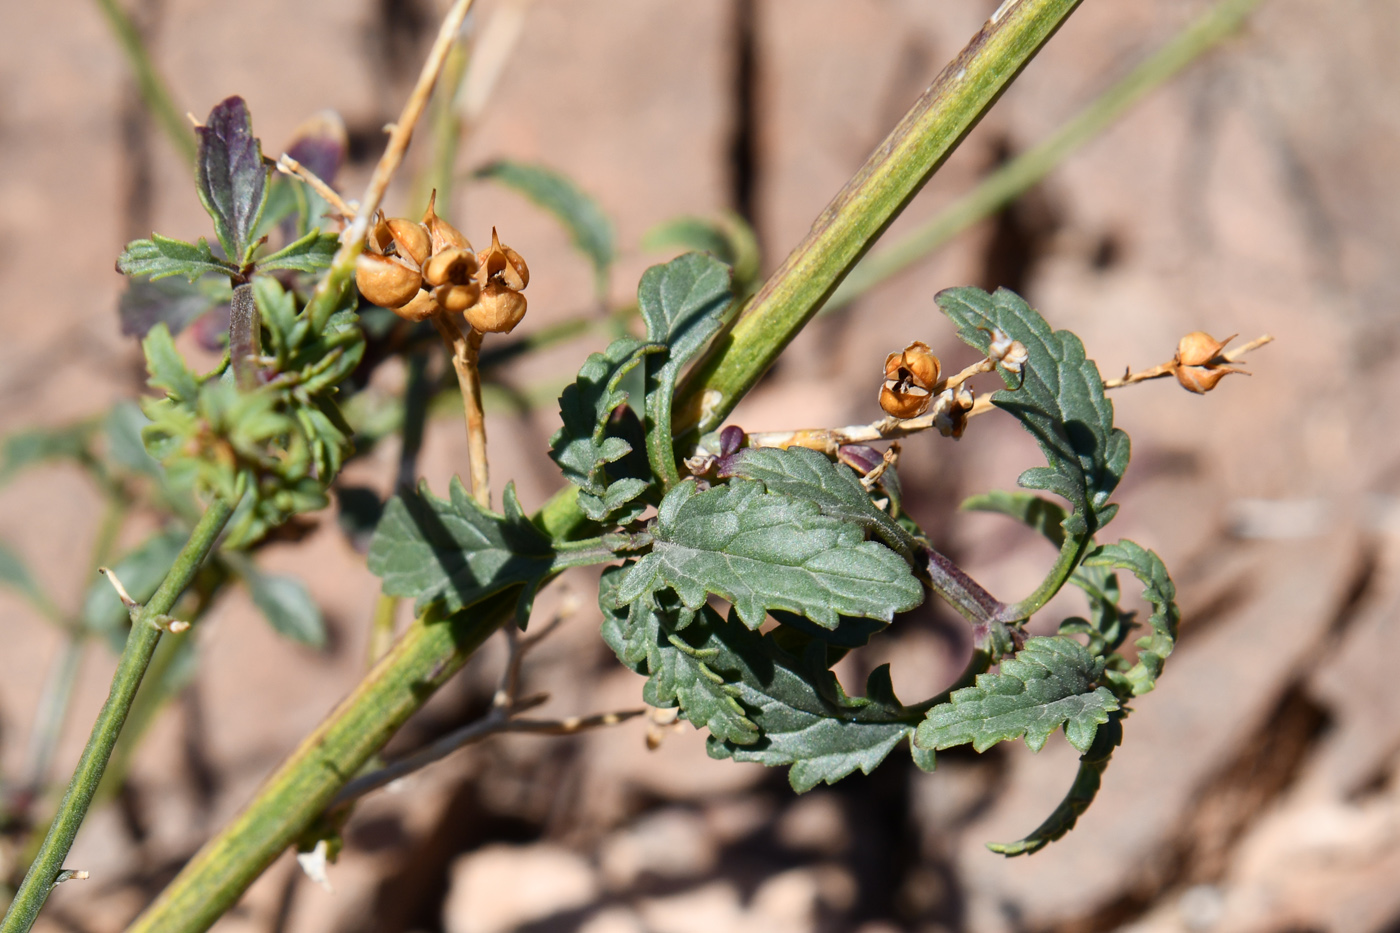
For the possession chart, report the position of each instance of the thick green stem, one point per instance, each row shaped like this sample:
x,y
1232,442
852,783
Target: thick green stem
x,y
433,649
1017,176
859,214
153,90
140,644
1071,553
429,653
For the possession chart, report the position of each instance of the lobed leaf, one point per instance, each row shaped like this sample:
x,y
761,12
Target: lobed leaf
x,y
167,367
589,228
1160,593
231,176
726,236
1060,401
456,551
766,550
311,253
161,257
683,303
1048,684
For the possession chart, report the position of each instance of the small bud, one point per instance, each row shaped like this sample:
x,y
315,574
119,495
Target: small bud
x,y
451,266
503,265
388,281
730,439
498,311
420,308
909,380
442,234
1199,365
457,298
410,239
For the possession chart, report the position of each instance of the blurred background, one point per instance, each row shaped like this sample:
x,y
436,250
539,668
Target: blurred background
x,y
1257,192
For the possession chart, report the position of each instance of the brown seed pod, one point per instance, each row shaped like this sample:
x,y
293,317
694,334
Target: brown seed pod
x,y
410,239
442,234
1199,348
388,281
420,308
457,298
503,265
498,311
451,266
909,380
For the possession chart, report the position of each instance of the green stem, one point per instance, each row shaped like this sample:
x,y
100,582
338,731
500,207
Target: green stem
x,y
1017,176
153,90
861,211
1071,553
140,644
446,126
430,652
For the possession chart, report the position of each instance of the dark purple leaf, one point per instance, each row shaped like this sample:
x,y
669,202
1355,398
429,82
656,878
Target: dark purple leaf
x,y
175,302
320,145
231,175
730,439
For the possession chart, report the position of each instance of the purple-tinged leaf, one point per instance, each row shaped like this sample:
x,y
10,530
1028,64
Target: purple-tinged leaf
x,y
175,302
231,175
320,145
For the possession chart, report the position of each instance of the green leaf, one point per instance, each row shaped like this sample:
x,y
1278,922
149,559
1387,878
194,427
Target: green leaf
x,y
173,300
762,551
805,718
1036,513
311,253
587,225
1050,682
1087,779
167,367
1160,593
287,605
682,304
835,488
123,426
141,572
231,176
726,236
1060,402
161,257
25,449
658,640
458,552
584,446
14,573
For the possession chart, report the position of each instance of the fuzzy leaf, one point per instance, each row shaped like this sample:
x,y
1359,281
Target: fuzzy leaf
x,y
657,640
167,367
727,237
458,552
287,605
1061,403
161,257
146,303
584,446
762,551
834,487
588,227
231,176
1160,593
1049,683
308,254
682,304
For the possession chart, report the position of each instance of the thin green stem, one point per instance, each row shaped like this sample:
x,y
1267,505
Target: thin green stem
x,y
153,90
865,207
1017,176
1071,553
140,644
444,117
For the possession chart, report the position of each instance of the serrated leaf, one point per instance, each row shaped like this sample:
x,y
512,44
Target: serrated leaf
x,y
1082,792
1160,593
683,303
1036,513
287,605
172,300
123,426
1060,402
656,639
1049,683
311,253
161,257
456,551
584,445
762,550
805,718
727,237
231,176
167,367
589,228
834,487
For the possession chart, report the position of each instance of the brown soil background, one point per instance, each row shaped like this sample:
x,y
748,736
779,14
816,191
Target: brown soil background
x,y
1258,192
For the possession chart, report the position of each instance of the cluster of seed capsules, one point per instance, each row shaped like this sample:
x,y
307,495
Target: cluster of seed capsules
x,y
419,269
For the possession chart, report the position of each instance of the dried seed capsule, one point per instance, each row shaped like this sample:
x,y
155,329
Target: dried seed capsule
x,y
503,265
498,311
909,380
1199,348
410,239
450,266
388,281
1199,364
420,308
442,234
457,298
